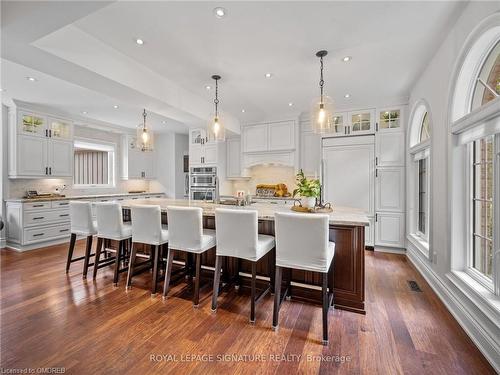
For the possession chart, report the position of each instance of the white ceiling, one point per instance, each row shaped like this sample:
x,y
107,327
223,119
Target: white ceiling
x,y
91,45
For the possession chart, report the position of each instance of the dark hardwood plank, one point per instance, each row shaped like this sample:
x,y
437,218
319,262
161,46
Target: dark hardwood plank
x,y
52,319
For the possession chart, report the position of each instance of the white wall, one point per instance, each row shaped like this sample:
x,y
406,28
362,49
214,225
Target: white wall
x,y
433,86
165,165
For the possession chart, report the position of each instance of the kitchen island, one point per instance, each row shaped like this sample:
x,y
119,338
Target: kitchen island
x,y
347,230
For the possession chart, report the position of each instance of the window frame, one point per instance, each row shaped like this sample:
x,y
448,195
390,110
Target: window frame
x,y
423,236
98,145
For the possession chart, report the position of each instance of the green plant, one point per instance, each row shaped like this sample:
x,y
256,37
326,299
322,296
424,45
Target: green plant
x,y
306,187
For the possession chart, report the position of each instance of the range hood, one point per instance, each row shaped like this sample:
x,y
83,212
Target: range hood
x,y
281,158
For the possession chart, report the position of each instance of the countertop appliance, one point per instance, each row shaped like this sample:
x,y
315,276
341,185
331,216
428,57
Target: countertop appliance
x,y
204,184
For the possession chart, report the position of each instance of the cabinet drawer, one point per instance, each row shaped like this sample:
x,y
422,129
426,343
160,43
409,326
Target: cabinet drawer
x,y
45,217
56,204
46,233
36,205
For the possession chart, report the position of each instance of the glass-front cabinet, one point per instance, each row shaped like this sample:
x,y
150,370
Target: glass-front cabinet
x,y
389,119
58,128
362,122
32,124
339,124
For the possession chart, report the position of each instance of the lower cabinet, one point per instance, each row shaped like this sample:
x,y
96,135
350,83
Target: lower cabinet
x,y
390,229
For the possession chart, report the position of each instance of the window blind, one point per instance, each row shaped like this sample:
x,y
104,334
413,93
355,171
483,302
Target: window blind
x,y
91,167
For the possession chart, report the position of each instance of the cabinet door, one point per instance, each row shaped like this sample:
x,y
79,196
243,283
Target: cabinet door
x,y
60,129
348,176
135,164
361,122
310,153
281,136
210,154
148,165
233,151
390,120
340,127
389,229
32,124
197,136
389,189
390,149
60,158
31,156
195,154
255,138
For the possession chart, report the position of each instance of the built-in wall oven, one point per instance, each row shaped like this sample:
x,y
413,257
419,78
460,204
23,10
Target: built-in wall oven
x,y
203,183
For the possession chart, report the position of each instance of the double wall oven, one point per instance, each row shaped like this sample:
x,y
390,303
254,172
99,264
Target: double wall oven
x,y
203,183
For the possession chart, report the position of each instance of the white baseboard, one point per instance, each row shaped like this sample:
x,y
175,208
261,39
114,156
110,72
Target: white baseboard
x,y
467,320
35,246
390,250
3,243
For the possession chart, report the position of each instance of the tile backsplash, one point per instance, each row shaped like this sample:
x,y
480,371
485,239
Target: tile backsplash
x,y
270,174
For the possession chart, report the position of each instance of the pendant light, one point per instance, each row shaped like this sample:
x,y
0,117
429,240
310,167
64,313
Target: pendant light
x,y
216,130
322,107
144,135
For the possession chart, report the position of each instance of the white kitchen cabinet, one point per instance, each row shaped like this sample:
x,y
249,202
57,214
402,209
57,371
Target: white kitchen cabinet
x,y
281,136
60,158
210,156
390,149
137,164
361,122
31,156
310,153
340,124
390,229
233,152
201,151
35,148
255,138
389,189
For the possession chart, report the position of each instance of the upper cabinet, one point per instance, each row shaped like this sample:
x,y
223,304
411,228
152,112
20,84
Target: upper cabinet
x,y
39,145
362,122
274,136
203,152
390,119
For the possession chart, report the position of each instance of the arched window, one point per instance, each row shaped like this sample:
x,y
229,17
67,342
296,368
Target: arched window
x,y
475,185
419,177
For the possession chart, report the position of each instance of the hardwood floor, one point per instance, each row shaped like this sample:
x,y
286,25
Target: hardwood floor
x,y
50,319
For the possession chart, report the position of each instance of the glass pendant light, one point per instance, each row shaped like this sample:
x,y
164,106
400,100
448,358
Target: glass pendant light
x,y
144,136
216,131
322,107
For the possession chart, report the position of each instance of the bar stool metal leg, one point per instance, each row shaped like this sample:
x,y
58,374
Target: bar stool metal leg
x,y
154,280
196,297
277,297
168,272
131,263
97,256
215,293
117,262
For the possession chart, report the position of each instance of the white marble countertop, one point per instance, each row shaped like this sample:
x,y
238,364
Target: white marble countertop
x,y
266,211
71,197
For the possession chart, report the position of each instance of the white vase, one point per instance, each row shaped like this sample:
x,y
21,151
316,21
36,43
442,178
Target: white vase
x,y
308,202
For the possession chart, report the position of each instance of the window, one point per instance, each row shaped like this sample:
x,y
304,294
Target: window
x,y
93,164
475,151
419,178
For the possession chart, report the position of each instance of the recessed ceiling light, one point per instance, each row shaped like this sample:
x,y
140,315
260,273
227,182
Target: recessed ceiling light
x,y
269,75
163,122
116,107
208,87
84,112
242,111
219,12
347,96
139,41
2,90
290,104
31,79
346,58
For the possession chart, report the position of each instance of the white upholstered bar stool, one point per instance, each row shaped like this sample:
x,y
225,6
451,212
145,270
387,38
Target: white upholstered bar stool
x,y
147,230
82,224
237,237
186,233
302,243
110,226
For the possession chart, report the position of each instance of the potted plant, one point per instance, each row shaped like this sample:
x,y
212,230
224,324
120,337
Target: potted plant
x,y
308,189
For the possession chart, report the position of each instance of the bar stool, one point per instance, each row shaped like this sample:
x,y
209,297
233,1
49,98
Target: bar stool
x,y
237,237
186,233
110,226
146,229
80,214
302,243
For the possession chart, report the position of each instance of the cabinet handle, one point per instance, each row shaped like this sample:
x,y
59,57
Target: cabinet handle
x,y
63,204
376,160
63,215
38,234
46,133
376,126
63,230
50,133
50,170
46,170
376,172
38,205
376,217
38,217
